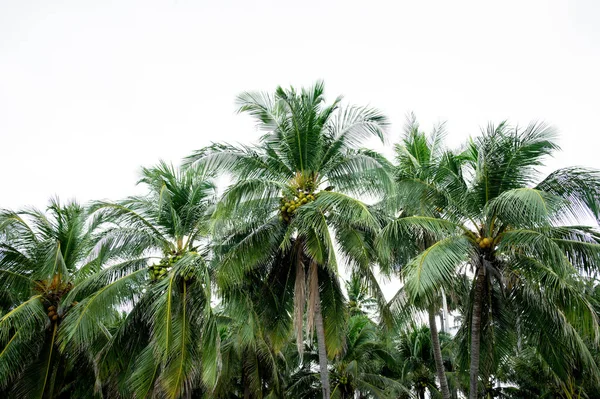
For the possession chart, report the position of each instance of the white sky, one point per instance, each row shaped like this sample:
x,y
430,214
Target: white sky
x,y
91,90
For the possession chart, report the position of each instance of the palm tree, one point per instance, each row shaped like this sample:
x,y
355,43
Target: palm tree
x,y
416,356
43,257
418,157
166,281
359,300
253,343
525,374
292,190
359,371
529,377
511,231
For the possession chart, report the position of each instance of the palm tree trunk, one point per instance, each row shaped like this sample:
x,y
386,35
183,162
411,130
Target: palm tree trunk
x,y
476,331
445,312
245,381
437,354
321,345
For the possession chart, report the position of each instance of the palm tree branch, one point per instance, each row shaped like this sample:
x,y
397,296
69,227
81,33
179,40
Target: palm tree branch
x,y
49,361
135,215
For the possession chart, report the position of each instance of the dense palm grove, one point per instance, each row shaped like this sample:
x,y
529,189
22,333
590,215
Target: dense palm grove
x,y
189,292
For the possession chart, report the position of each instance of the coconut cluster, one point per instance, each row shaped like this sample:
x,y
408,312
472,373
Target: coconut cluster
x,y
187,276
159,271
52,315
55,289
485,242
294,200
343,380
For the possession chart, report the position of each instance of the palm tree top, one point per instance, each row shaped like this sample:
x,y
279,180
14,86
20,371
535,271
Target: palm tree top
x,y
50,244
305,138
172,216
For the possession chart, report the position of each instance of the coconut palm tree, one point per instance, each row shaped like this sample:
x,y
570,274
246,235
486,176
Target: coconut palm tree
x,y
509,231
250,368
296,192
43,257
359,371
171,333
417,159
525,374
254,341
359,300
416,356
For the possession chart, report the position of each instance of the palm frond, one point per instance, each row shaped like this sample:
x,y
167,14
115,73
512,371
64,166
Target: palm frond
x,y
436,265
579,188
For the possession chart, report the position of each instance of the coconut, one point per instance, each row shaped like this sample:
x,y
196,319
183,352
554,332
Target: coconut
x,y
55,317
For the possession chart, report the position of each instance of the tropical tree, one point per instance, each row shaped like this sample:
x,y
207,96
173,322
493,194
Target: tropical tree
x,y
525,374
171,334
43,257
510,233
418,158
295,193
253,346
416,356
359,300
360,371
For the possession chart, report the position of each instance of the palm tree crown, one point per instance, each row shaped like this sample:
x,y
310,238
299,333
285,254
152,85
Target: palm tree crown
x,y
43,257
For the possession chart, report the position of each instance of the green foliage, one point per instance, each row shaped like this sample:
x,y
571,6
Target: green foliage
x,y
489,218
43,258
292,189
